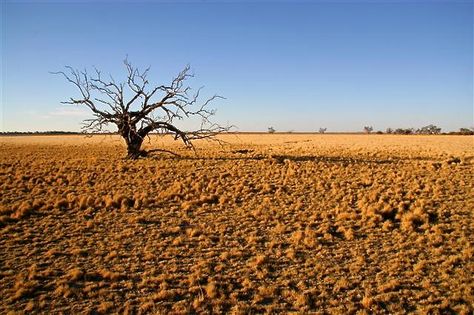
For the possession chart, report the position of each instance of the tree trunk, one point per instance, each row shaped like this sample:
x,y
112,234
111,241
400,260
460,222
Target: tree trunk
x,y
133,148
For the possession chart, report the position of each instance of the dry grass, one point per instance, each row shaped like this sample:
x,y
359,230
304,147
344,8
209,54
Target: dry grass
x,y
270,223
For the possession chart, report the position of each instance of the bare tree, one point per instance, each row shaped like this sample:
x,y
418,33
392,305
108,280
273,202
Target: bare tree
x,y
404,131
322,130
368,129
271,130
145,110
429,130
466,131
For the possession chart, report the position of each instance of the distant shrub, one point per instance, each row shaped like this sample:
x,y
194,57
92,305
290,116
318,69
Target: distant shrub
x,y
368,129
404,131
271,130
466,131
322,130
429,130
426,130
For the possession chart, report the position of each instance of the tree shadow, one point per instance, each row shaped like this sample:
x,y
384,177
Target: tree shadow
x,y
248,155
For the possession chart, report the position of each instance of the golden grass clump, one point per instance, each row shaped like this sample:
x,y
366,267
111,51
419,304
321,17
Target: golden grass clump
x,y
86,201
74,274
23,288
61,204
212,290
265,293
109,275
411,221
258,261
105,307
23,210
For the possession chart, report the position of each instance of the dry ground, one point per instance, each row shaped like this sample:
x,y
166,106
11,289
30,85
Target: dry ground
x,y
269,223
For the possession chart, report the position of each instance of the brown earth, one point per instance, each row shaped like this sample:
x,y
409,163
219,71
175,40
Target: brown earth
x,y
267,223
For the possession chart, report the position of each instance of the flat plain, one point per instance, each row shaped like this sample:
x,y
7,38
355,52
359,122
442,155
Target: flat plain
x,y
295,223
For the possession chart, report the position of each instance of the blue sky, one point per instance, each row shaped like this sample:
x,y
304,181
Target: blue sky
x,y
291,65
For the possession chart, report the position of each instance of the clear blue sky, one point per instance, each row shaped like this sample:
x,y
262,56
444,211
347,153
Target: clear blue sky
x,y
294,66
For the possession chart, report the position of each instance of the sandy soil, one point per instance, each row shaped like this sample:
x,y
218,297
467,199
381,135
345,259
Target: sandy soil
x,y
267,223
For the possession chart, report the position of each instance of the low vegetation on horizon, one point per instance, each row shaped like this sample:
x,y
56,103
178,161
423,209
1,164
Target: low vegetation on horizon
x,y
268,223
397,131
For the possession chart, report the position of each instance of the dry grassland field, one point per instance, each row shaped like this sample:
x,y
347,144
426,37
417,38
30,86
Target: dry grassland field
x,y
333,224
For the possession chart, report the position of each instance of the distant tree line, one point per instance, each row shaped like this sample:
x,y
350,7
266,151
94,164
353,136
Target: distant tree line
x,y
51,132
428,130
465,131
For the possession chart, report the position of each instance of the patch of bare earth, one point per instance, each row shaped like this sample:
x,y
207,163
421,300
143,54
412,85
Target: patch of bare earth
x,y
269,223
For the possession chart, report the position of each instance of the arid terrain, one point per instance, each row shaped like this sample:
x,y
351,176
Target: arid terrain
x,y
334,224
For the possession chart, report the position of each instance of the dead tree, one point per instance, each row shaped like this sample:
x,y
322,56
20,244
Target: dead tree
x,y
145,110
368,129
